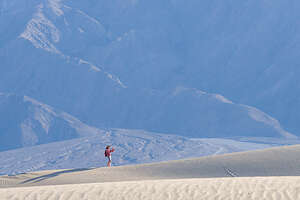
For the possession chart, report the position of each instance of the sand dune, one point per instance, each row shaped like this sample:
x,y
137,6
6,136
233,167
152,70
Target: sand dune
x,y
263,174
224,188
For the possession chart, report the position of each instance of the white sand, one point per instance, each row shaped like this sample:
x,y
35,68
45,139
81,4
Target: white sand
x,y
200,178
284,188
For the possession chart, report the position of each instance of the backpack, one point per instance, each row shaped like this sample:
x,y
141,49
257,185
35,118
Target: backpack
x,y
105,153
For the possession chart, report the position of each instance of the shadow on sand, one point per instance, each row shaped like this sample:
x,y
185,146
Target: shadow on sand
x,y
47,176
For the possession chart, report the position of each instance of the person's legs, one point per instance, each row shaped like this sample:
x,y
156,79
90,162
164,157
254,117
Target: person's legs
x,y
109,161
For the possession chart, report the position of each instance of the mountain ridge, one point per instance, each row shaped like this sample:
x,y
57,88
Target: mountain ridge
x,y
119,64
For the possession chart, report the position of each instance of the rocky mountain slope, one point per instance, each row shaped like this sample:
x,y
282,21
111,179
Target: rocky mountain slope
x,y
144,64
26,122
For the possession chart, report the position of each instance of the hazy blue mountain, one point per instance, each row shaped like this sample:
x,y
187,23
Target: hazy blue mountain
x,y
135,63
26,122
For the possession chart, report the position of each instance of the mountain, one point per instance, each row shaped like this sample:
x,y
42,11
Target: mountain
x,y
26,122
145,64
247,51
195,113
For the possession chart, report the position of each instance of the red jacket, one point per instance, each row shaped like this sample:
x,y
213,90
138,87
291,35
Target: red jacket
x,y
108,152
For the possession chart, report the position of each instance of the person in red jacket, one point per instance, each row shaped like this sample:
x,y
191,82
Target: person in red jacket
x,y
107,154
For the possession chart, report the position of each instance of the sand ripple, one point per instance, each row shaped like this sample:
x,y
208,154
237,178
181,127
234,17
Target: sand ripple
x,y
183,189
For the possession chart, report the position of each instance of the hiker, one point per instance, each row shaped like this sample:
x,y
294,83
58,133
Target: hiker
x,y
107,154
